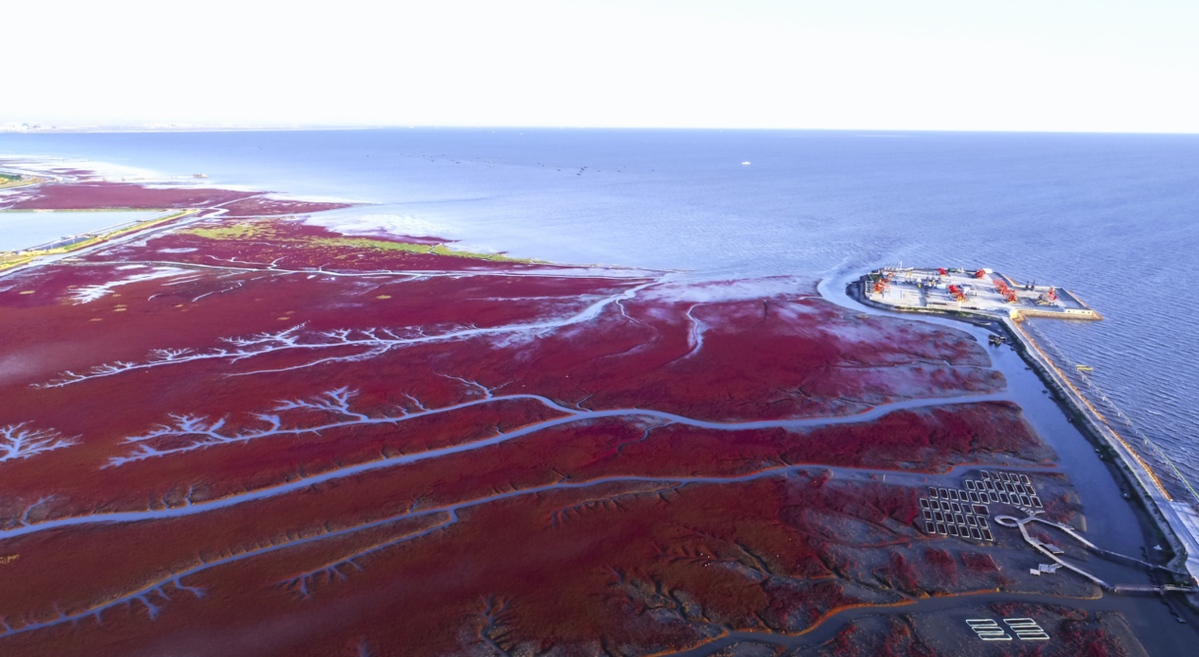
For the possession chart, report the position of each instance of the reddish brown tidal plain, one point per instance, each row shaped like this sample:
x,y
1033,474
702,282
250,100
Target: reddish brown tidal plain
x,y
250,435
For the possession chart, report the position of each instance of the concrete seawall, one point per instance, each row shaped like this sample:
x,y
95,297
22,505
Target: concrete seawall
x,y
1177,523
1171,519
1084,315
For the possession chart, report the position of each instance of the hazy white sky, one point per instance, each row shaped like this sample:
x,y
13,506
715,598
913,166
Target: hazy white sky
x,y
1078,65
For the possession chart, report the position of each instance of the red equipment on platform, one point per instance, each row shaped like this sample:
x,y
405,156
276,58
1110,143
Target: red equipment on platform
x,y
1006,292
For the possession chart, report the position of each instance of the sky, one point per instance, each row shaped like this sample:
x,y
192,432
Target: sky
x,y
1043,65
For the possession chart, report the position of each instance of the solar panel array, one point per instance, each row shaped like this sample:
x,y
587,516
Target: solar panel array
x,y
963,513
1011,488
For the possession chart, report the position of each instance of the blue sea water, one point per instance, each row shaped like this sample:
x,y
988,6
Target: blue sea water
x,y
1114,218
21,230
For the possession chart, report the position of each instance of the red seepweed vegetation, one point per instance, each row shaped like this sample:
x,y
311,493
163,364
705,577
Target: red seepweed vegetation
x,y
91,195
322,436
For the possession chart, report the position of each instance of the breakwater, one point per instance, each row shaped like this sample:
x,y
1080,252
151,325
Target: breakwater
x,y
1173,517
74,244
1176,521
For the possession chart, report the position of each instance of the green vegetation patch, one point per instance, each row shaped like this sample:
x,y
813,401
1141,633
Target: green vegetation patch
x,y
11,180
442,249
231,231
367,243
362,243
265,230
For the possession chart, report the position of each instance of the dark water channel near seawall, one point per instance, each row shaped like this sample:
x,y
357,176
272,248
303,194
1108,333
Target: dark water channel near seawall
x,y
1109,519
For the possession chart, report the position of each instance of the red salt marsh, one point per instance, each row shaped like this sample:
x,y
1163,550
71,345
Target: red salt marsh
x,y
80,196
82,191
261,437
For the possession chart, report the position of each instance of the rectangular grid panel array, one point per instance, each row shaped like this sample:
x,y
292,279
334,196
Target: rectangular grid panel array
x,y
963,513
1006,488
957,513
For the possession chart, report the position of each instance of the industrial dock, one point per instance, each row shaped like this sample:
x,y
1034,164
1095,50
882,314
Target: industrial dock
x,y
970,291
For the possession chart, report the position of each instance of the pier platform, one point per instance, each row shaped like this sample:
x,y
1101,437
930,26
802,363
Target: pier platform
x,y
978,291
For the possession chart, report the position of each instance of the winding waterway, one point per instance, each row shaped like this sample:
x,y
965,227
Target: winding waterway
x,y
1110,217
1097,488
569,416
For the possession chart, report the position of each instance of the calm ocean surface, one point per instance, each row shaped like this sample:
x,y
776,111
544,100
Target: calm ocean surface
x,y
1114,218
20,230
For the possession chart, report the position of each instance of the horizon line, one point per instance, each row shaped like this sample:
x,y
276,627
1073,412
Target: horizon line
x,y
10,128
